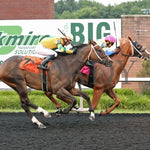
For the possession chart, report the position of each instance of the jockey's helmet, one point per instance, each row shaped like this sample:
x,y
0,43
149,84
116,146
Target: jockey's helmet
x,y
110,38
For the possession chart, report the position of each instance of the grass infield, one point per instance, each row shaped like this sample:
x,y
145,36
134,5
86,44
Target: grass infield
x,y
130,101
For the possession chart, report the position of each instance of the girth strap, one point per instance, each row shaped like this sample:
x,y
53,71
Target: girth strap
x,y
44,81
91,74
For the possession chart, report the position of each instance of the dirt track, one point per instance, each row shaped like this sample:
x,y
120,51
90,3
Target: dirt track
x,y
75,132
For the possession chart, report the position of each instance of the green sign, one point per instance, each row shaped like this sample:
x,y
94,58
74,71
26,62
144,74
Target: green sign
x,y
10,37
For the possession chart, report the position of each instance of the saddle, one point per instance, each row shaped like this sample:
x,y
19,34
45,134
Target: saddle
x,y
30,63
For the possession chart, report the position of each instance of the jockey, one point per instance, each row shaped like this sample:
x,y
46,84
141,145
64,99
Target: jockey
x,y
106,43
47,47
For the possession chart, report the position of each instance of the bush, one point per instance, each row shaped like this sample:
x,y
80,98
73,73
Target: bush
x,y
144,72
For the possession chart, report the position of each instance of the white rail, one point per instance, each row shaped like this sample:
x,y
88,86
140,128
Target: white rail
x,y
134,79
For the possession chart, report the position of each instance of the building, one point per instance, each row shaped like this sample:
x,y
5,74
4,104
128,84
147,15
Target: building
x,y
26,9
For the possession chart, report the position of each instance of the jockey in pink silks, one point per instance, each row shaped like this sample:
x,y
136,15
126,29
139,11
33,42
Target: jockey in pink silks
x,y
106,43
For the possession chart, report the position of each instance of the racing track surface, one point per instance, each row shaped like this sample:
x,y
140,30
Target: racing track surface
x,y
75,132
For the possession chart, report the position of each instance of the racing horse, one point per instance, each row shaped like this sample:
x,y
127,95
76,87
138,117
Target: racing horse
x,y
106,78
61,78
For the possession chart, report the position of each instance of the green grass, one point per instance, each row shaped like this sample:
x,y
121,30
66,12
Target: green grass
x,y
130,101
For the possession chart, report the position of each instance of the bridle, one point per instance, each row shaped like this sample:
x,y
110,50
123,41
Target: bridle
x,y
134,48
93,49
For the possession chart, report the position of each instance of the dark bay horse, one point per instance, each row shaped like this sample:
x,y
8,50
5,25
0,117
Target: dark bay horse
x,y
61,78
106,78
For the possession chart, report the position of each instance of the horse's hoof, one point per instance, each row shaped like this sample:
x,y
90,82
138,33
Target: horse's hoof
x,y
76,106
92,116
101,113
58,112
65,111
48,115
41,126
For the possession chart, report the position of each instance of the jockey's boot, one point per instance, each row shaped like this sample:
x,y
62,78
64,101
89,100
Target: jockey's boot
x,y
46,60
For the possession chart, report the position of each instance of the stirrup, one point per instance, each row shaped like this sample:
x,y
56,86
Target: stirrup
x,y
40,66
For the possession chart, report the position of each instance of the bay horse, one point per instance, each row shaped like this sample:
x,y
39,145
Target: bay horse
x,y
61,78
106,78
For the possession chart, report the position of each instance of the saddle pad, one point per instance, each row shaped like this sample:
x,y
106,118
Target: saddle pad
x,y
30,63
85,70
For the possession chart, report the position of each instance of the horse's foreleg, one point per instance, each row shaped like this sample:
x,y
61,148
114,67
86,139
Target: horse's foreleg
x,y
76,92
55,102
58,106
43,111
65,100
64,94
50,96
96,97
111,93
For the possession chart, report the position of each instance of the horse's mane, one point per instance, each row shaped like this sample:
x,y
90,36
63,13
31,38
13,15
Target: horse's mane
x,y
80,45
63,54
77,47
123,41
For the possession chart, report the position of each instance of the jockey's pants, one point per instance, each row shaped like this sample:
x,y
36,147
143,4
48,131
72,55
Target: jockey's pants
x,y
41,50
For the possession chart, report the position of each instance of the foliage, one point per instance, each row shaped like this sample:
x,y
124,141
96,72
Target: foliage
x,y
85,9
144,72
129,100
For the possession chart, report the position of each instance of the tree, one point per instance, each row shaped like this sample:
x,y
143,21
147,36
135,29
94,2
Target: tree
x,y
85,9
145,72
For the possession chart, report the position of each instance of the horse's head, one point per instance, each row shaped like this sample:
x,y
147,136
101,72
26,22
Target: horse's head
x,y
98,54
137,50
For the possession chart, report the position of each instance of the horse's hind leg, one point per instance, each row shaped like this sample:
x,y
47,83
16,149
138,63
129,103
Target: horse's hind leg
x,y
25,103
96,97
21,89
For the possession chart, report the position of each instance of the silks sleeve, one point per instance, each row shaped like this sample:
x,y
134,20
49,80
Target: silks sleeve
x,y
62,48
109,52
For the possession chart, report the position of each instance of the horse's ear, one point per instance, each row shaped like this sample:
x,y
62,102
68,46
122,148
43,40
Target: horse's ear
x,y
92,42
130,38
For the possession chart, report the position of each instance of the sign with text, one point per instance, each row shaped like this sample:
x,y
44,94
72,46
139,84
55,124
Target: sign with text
x,y
21,37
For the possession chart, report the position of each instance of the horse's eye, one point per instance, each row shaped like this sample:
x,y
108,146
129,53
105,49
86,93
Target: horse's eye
x,y
138,46
99,50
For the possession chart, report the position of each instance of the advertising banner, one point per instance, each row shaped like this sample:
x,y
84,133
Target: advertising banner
x,y
20,37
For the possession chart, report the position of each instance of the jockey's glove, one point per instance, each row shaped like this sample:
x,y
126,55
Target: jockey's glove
x,y
75,50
